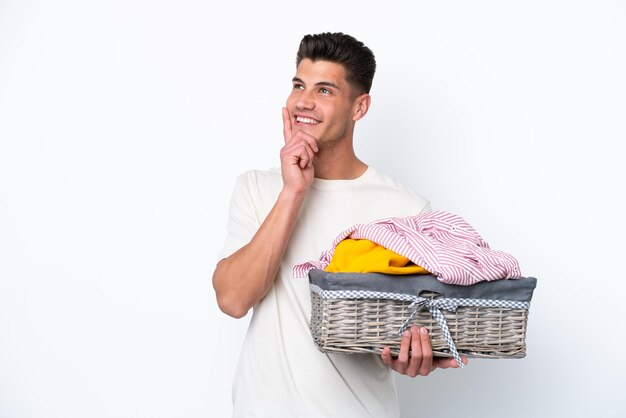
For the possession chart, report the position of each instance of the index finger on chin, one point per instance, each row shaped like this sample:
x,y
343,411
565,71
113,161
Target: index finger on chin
x,y
286,124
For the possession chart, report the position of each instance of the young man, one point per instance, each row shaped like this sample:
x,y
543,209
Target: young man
x,y
283,217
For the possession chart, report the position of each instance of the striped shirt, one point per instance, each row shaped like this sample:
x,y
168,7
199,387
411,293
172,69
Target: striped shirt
x,y
442,243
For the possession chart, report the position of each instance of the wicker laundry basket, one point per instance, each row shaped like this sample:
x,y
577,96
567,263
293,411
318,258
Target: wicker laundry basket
x,y
363,313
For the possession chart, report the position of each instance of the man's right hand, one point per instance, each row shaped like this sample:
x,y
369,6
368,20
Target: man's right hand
x,y
296,157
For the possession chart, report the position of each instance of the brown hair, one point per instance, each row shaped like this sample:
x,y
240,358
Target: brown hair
x,y
357,59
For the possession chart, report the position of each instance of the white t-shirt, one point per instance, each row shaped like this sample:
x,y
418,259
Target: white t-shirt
x,y
280,371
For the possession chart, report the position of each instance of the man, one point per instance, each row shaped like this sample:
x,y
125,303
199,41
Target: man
x,y
279,218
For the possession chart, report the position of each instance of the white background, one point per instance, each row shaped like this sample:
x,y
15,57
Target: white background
x,y
123,125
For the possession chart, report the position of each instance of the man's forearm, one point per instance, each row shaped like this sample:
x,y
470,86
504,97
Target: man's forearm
x,y
243,279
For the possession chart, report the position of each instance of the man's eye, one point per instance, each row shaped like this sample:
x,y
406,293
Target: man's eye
x,y
324,91
298,86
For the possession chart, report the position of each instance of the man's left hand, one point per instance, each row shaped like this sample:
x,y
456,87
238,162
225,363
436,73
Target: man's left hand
x,y
421,362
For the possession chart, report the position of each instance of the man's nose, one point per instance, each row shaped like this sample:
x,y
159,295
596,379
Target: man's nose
x,y
305,101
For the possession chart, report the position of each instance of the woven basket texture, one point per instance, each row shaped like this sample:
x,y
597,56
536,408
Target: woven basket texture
x,y
369,325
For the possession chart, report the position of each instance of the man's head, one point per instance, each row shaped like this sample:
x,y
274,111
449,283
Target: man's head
x,y
357,59
330,89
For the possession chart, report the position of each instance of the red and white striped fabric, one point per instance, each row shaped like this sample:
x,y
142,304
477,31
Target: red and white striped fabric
x,y
442,243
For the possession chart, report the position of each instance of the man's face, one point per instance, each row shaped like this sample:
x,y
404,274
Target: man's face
x,y
321,102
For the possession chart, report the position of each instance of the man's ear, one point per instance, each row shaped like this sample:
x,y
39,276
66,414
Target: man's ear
x,y
361,106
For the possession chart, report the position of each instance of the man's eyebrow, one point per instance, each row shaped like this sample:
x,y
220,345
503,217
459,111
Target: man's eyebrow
x,y
320,83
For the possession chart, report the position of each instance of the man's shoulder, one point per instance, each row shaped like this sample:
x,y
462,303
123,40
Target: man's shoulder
x,y
385,181
395,192
260,176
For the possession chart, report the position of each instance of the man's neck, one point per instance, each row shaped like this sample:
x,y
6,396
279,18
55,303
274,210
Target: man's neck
x,y
335,167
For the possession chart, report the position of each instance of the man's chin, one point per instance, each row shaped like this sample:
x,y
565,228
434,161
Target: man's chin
x,y
309,130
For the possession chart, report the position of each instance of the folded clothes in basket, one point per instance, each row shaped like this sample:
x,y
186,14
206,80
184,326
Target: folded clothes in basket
x,y
365,312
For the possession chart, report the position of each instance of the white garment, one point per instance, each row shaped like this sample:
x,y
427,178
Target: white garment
x,y
280,372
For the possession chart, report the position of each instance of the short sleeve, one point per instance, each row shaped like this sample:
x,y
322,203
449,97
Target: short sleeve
x,y
242,220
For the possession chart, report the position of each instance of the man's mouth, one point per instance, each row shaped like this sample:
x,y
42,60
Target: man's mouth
x,y
307,121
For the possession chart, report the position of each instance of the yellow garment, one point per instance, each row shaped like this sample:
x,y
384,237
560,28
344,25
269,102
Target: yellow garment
x,y
365,256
